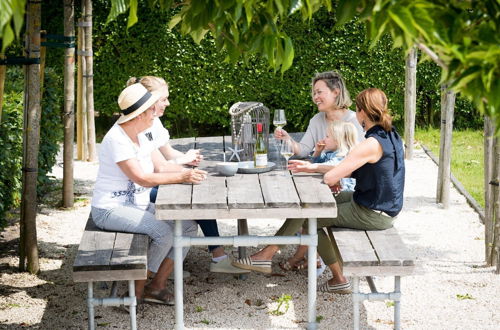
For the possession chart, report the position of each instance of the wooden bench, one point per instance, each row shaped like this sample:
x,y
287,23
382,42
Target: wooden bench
x,y
373,253
110,256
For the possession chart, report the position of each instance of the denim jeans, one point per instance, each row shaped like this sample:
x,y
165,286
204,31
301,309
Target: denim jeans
x,y
130,219
208,227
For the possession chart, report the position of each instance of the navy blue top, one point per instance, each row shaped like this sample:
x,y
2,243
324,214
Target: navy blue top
x,y
380,186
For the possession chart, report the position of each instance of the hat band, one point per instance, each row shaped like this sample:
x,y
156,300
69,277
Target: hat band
x,y
137,104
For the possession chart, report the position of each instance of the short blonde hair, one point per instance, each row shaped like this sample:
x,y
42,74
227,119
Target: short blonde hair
x,y
151,83
345,134
334,80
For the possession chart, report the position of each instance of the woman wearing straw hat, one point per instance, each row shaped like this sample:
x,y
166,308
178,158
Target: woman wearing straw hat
x,y
221,262
129,165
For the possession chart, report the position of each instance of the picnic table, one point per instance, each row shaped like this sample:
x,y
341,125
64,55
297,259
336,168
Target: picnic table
x,y
271,195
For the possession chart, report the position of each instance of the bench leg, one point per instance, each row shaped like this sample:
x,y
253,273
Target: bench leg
x,y
355,302
90,304
131,292
397,303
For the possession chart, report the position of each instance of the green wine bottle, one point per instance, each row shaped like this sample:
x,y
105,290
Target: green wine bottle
x,y
260,155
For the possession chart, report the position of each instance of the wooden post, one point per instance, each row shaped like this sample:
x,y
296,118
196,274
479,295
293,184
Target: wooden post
x,y
28,239
410,101
444,172
494,244
3,72
81,119
489,165
69,105
43,52
90,81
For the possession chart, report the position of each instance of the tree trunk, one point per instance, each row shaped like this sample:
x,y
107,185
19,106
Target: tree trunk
x,y
90,81
444,173
410,101
3,72
81,101
69,105
32,112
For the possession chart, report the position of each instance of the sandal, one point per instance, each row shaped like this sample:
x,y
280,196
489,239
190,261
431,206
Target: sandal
x,y
341,288
163,296
289,265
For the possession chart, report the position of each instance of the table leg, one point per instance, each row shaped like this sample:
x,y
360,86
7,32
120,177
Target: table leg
x,y
242,250
179,298
311,274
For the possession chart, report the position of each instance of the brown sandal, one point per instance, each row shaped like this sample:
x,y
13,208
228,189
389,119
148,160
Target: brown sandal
x,y
163,296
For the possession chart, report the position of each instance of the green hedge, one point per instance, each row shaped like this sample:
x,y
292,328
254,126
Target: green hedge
x,y
11,137
203,87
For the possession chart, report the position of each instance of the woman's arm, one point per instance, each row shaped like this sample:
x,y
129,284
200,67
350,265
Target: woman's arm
x,y
134,172
296,165
368,151
162,165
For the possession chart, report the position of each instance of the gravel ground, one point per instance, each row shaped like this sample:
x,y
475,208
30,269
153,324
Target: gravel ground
x,y
454,291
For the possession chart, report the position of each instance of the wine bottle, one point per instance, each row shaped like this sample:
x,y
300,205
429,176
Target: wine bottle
x,y
260,155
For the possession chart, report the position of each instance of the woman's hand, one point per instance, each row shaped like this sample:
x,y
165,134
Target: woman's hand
x,y
296,165
193,176
320,146
281,134
336,188
193,157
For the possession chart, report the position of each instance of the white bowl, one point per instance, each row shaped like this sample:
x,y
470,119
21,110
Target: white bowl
x,y
227,168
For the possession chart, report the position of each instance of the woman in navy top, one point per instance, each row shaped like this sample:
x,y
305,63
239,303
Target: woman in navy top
x,y
377,164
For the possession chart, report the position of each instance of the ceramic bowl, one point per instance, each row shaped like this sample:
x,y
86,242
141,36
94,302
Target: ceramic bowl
x,y
227,168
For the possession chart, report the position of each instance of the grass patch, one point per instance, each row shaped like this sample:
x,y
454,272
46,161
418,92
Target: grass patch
x,y
467,157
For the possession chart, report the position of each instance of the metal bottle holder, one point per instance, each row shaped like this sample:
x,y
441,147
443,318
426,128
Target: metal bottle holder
x,y
244,119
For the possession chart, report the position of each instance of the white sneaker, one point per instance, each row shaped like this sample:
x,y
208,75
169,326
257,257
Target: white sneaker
x,y
225,266
321,269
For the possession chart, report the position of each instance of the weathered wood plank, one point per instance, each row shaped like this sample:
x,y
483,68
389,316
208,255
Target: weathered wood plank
x,y
174,196
211,193
354,247
183,144
390,248
110,275
313,193
244,192
278,190
211,147
130,251
95,250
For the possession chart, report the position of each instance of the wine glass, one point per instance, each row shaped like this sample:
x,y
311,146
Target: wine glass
x,y
279,119
287,150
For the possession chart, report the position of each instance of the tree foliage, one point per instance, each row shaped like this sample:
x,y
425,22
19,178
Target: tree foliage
x,y
465,35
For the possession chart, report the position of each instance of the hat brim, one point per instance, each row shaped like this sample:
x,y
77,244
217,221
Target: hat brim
x,y
152,100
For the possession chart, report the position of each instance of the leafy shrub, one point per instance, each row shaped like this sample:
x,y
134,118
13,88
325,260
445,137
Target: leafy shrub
x,y
11,136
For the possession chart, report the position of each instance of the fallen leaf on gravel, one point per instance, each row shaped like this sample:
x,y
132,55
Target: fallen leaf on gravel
x,y
248,302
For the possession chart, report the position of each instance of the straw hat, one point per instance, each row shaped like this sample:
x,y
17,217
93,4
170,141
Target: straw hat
x,y
134,100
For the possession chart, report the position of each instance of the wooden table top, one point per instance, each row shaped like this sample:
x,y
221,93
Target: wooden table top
x,y
274,194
